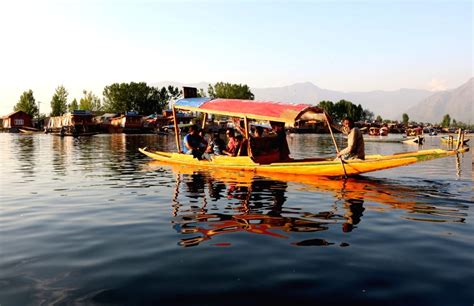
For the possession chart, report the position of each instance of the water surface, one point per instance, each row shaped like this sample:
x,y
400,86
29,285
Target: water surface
x,y
92,221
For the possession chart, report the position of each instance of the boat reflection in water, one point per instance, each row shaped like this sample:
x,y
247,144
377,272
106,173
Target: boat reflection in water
x,y
256,204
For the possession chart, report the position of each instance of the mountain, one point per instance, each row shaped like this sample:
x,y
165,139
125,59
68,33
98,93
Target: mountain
x,y
388,104
456,102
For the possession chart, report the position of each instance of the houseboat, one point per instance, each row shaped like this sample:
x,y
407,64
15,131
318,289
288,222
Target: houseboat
x,y
77,123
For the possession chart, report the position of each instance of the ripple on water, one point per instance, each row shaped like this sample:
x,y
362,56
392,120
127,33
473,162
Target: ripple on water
x,y
92,221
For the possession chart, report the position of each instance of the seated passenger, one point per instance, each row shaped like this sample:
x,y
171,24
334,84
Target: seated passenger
x,y
231,144
258,133
241,146
192,142
281,142
216,146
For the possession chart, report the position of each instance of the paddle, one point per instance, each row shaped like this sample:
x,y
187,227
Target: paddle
x,y
335,144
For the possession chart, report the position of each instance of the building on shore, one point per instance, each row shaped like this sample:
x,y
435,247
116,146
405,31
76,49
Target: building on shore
x,y
16,120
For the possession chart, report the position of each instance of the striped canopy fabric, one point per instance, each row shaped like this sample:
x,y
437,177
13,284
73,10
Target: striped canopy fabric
x,y
258,110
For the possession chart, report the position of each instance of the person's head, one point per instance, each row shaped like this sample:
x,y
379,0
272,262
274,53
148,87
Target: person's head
x,y
193,130
230,133
239,138
348,123
258,131
277,126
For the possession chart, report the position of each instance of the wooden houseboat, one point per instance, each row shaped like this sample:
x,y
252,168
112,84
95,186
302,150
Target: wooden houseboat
x,y
77,123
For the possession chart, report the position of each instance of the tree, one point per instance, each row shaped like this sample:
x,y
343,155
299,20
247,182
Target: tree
x,y
73,105
405,119
59,101
138,97
343,109
328,107
89,102
367,115
27,104
446,121
230,91
379,118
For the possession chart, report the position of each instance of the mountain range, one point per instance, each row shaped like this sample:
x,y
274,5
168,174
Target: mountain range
x,y
420,105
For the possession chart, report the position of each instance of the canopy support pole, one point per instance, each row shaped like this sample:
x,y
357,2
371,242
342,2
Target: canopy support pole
x,y
246,127
335,144
204,119
176,130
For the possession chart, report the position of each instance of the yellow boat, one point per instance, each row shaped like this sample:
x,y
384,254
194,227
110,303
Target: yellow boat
x,y
317,167
452,140
290,115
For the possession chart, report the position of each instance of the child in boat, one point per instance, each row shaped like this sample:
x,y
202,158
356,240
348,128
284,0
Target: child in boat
x,y
215,147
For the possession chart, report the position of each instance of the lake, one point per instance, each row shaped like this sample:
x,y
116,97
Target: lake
x,y
91,221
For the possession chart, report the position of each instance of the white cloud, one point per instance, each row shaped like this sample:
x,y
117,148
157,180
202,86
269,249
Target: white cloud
x,y
437,85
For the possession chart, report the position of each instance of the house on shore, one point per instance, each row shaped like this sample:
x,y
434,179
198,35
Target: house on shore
x,y
16,120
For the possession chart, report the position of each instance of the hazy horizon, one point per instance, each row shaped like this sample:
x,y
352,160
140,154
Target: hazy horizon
x,y
341,46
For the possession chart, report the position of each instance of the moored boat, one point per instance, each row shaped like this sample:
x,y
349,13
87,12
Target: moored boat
x,y
287,114
451,140
418,140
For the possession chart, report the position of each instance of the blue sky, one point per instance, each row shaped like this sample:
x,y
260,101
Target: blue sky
x,y
339,45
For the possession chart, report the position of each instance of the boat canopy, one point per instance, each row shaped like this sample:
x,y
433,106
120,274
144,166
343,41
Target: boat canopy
x,y
257,110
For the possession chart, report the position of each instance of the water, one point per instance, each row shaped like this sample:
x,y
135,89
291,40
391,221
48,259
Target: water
x,y
92,221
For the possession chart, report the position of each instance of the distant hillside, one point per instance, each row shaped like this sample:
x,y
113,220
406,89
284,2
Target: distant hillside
x,y
456,102
388,104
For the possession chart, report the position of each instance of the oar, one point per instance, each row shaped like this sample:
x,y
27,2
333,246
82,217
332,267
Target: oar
x,y
335,144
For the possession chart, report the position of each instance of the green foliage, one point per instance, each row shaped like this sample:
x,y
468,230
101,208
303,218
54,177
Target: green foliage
x,y
89,102
73,105
367,115
59,101
405,119
344,108
446,121
230,91
379,118
27,104
201,93
138,97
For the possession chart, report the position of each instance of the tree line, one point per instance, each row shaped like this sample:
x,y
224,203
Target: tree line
x,y
145,99
125,97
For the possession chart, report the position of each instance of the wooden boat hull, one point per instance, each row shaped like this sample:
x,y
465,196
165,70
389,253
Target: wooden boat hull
x,y
418,140
452,140
67,134
315,167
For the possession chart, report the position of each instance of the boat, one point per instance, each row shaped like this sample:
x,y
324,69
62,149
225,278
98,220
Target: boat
x,y
69,134
28,130
375,131
451,140
287,114
418,140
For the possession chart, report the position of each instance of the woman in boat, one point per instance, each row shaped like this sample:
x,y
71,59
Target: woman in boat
x,y
355,141
192,142
231,148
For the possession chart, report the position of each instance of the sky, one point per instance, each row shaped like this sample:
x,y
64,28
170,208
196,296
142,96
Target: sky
x,y
337,45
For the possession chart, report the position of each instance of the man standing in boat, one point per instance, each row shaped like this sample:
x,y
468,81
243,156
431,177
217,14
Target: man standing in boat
x,y
355,141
